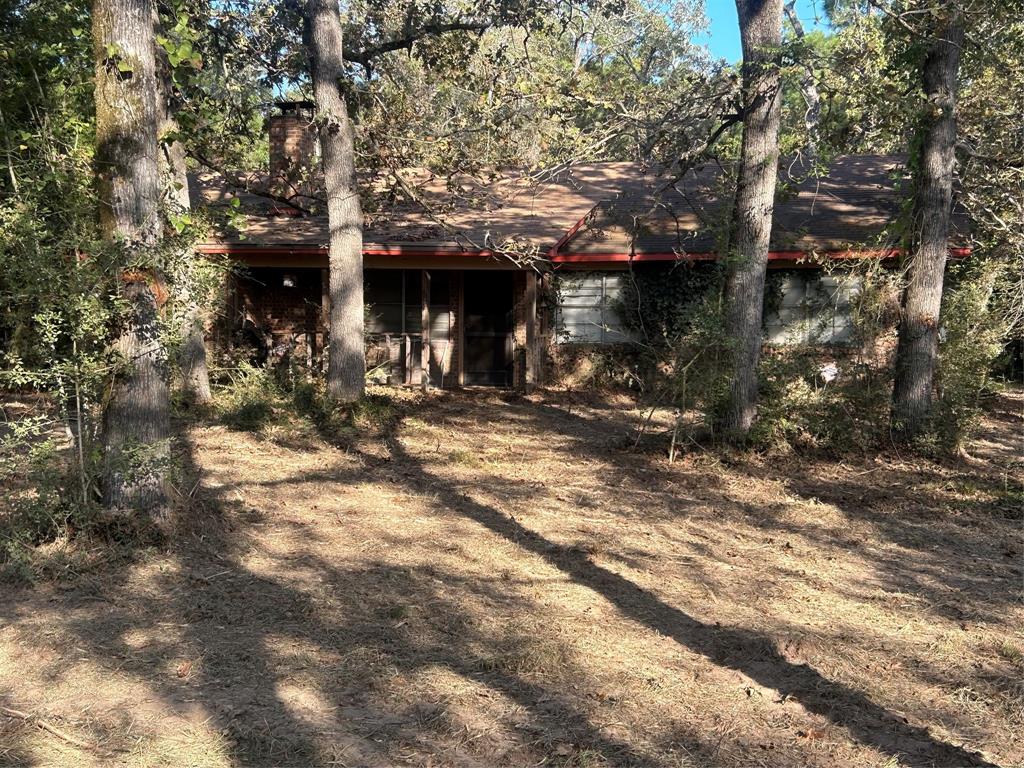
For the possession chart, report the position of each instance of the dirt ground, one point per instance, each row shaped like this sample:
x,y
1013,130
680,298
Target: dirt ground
x,y
503,581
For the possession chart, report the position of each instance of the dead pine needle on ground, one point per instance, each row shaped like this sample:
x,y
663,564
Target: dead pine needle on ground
x,y
493,580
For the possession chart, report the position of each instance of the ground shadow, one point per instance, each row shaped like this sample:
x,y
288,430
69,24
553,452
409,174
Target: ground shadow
x,y
259,643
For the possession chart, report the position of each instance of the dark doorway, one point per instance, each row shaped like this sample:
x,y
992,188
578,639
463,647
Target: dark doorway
x,y
489,340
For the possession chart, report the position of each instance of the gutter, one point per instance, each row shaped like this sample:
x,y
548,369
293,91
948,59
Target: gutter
x,y
554,256
793,255
286,250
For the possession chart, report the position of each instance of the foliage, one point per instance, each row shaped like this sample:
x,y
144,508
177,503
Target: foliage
x,y
60,298
247,403
801,410
663,304
613,81
972,339
290,404
673,314
38,502
678,358
52,340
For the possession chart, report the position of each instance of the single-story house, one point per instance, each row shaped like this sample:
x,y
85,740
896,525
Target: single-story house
x,y
474,255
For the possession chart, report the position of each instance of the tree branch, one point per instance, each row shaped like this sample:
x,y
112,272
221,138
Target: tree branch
x,y
245,182
366,55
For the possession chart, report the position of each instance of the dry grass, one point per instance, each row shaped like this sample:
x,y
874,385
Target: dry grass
x,y
500,581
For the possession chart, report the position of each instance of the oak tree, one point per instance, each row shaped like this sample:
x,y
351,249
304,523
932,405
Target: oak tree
x,y
761,38
136,418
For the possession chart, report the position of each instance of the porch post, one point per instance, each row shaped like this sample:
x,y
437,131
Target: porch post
x,y
425,331
325,315
531,373
460,328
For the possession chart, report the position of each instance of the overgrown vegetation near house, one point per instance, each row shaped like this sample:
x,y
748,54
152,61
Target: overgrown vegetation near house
x,y
833,397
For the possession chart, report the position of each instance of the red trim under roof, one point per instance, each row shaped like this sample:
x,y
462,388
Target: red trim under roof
x,y
399,250
557,258
611,258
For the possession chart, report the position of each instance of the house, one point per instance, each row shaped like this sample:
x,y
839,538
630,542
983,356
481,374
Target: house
x,y
458,280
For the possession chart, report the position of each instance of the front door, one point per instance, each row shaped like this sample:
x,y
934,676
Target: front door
x,y
489,327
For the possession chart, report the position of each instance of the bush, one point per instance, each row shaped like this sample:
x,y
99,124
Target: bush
x,y
803,407
43,497
972,339
295,407
338,423
247,403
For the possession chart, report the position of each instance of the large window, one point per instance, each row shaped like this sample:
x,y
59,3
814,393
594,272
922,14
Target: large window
x,y
587,310
394,321
394,301
814,309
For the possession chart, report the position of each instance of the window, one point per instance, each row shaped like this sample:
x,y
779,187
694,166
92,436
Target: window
x,y
587,311
384,296
815,309
394,301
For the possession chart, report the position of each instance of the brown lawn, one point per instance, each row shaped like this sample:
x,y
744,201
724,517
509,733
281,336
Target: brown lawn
x,y
501,581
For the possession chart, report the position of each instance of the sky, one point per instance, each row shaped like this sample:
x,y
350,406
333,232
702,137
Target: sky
x,y
724,36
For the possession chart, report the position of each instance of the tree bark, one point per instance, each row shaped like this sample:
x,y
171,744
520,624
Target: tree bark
x,y
761,37
136,421
195,376
346,367
809,89
918,347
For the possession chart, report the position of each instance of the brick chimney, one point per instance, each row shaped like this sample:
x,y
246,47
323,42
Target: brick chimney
x,y
293,146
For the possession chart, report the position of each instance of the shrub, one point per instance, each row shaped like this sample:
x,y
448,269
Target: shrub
x,y
802,406
44,498
247,402
972,337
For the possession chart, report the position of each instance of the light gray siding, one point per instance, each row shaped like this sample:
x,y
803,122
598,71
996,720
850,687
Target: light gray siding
x,y
586,312
815,309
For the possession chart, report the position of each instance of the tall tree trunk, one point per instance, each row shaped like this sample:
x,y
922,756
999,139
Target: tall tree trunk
x,y
761,36
192,353
809,89
346,370
136,421
918,348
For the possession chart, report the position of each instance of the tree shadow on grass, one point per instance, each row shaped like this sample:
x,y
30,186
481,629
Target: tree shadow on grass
x,y
937,546
297,663
301,668
748,652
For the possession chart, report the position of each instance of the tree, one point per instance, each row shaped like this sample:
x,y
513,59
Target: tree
x,y
136,419
750,228
918,346
347,360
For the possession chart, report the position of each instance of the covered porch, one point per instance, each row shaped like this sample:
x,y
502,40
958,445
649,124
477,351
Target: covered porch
x,y
425,325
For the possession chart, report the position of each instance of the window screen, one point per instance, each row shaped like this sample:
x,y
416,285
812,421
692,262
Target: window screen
x,y
587,310
815,309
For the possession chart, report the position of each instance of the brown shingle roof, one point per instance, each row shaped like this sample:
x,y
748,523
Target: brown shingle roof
x,y
849,207
625,208
509,210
